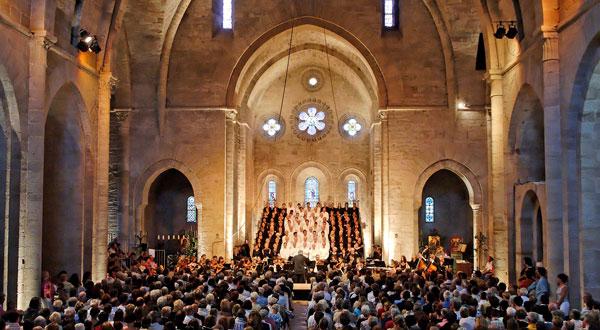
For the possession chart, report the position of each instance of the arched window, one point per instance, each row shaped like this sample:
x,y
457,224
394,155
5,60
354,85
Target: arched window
x,y
311,191
351,192
429,209
272,188
191,209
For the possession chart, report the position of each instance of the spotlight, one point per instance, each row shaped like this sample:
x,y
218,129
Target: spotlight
x,y
88,43
500,32
94,47
512,31
85,41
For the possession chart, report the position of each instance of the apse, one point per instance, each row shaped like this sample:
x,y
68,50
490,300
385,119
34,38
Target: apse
x,y
67,219
170,198
446,210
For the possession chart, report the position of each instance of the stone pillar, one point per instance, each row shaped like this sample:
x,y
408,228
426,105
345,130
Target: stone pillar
x,y
100,230
499,231
388,244
30,227
477,227
556,258
127,233
240,235
229,182
377,198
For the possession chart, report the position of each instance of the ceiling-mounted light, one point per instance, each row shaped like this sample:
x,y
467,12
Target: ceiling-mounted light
x,y
512,31
500,32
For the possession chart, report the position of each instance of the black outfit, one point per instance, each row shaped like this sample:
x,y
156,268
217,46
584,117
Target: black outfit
x,y
300,262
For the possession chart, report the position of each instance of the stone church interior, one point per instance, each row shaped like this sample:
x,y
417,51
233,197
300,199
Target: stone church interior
x,y
300,164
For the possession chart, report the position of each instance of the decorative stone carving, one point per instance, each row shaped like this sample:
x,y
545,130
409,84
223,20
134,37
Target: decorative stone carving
x,y
311,120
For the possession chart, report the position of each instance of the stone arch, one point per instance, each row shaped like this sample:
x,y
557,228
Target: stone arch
x,y
165,213
472,185
530,229
365,201
319,170
526,137
364,52
361,180
165,57
10,177
68,184
149,175
583,122
261,184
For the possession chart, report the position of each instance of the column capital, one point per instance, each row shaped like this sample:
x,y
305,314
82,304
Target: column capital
x,y
108,80
550,46
231,115
382,114
47,40
121,116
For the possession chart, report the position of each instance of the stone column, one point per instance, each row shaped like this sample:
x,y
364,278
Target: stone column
x,y
229,182
388,244
499,231
377,198
127,234
30,227
240,235
100,230
556,258
477,227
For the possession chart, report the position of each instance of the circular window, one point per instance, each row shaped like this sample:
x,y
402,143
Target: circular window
x,y
351,126
272,127
312,120
312,80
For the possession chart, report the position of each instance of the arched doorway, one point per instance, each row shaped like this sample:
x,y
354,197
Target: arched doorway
x,y
446,211
171,211
68,179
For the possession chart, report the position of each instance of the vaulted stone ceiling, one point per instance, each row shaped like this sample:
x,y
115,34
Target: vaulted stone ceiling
x,y
171,53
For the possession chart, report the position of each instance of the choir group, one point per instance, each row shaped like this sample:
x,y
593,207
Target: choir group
x,y
319,231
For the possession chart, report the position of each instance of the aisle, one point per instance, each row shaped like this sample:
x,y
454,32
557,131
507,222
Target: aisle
x,y
299,321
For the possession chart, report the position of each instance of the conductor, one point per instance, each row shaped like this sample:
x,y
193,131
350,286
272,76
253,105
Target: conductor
x,y
300,263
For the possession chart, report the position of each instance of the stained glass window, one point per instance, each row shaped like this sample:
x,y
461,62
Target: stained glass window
x,y
227,14
351,192
429,209
191,209
272,187
311,191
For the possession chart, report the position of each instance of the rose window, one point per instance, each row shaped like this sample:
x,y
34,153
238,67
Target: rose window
x,y
352,127
311,121
271,127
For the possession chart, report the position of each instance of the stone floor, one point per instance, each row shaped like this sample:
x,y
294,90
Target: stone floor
x,y
299,321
